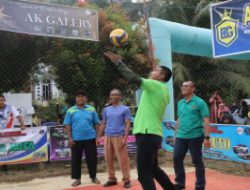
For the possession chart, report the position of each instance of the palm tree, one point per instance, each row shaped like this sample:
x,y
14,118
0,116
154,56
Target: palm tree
x,y
229,77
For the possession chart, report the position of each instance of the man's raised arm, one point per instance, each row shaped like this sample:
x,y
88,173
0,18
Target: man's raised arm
x,y
124,70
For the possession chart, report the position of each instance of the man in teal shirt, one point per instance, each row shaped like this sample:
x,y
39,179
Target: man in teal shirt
x,y
80,121
193,118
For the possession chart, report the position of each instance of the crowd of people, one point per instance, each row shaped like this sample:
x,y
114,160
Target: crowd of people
x,y
237,113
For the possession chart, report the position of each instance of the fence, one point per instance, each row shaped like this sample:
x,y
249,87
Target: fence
x,y
52,69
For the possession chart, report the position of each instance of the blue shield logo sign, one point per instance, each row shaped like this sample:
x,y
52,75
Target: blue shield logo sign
x,y
227,31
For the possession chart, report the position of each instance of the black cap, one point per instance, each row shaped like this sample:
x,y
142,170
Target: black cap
x,y
81,92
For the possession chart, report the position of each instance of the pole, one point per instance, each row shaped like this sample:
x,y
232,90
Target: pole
x,y
150,43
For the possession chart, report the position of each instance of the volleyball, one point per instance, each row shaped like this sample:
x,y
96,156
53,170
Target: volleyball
x,y
118,37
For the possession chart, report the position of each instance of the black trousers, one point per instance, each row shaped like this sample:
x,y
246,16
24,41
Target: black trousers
x,y
89,147
147,163
195,148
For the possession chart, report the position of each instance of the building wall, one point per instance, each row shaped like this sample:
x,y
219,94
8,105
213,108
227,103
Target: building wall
x,y
41,96
45,87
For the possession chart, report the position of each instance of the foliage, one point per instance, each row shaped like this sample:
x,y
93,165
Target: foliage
x,y
81,64
18,58
228,77
76,64
54,111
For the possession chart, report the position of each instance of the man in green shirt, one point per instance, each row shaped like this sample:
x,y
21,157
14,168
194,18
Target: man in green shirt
x,y
148,120
193,117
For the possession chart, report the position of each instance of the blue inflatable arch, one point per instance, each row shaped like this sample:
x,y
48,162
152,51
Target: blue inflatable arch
x,y
171,37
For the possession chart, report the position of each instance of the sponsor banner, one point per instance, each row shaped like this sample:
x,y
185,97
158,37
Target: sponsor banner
x,y
228,142
230,22
60,149
23,146
48,20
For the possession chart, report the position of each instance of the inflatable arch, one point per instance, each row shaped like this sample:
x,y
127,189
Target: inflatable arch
x,y
171,37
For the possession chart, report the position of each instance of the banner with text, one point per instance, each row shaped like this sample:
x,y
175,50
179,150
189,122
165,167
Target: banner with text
x,y
228,142
60,149
23,146
48,20
230,22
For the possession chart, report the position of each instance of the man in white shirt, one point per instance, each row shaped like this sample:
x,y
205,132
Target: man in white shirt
x,y
7,115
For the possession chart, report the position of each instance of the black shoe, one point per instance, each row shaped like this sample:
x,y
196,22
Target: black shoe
x,y
127,184
76,183
200,188
110,183
179,187
95,181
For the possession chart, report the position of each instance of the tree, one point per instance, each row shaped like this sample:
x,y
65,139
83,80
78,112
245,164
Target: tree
x,y
54,111
81,64
229,77
18,57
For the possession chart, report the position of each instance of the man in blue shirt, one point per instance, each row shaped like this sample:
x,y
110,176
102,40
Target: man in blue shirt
x,y
116,124
80,121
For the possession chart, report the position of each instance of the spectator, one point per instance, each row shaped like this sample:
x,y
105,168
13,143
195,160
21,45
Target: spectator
x,y
223,109
7,115
234,108
241,117
215,100
226,119
80,121
192,129
116,124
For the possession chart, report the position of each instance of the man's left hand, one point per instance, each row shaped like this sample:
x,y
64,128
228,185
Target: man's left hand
x,y
207,144
97,141
124,141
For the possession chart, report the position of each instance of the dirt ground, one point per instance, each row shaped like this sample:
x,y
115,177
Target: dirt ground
x,y
62,182
56,175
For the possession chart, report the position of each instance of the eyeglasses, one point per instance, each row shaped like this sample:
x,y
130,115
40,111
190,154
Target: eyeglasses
x,y
115,94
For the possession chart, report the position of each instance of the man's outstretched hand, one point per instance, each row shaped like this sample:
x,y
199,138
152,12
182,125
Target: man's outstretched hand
x,y
113,57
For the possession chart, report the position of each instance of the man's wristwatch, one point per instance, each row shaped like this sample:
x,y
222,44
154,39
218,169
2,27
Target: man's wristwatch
x,y
207,137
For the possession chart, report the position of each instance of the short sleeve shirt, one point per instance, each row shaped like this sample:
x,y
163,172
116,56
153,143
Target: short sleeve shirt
x,y
190,117
82,122
7,115
154,100
115,118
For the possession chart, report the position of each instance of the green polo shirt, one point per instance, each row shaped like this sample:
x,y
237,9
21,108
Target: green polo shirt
x,y
190,117
154,100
